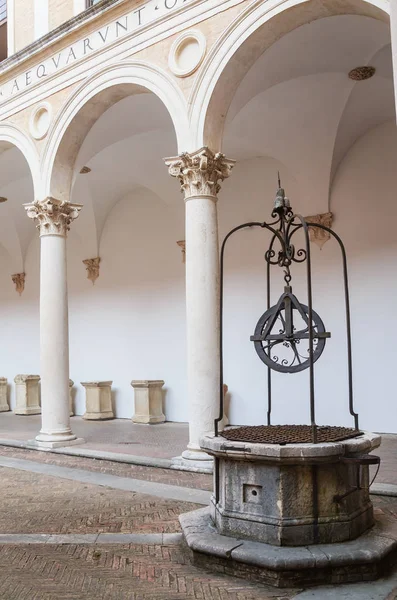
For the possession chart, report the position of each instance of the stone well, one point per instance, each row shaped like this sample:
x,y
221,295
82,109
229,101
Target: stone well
x,y
292,495
290,514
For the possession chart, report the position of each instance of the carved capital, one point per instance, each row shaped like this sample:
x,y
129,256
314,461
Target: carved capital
x,y
92,266
52,216
320,236
19,281
200,173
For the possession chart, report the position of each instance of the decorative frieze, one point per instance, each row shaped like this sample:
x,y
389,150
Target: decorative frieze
x,y
4,406
317,235
53,217
182,245
148,395
92,267
19,281
200,173
98,400
27,395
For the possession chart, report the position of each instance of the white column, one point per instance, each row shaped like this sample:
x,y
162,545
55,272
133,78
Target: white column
x,y
53,220
200,174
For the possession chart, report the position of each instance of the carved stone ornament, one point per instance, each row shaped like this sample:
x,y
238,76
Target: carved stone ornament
x,y
200,173
53,216
19,281
92,266
320,236
182,245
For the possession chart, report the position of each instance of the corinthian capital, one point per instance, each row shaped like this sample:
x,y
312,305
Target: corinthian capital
x,y
52,216
200,173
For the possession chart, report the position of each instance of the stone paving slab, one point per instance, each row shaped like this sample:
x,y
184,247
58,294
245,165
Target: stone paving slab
x,y
181,478
122,483
164,440
383,589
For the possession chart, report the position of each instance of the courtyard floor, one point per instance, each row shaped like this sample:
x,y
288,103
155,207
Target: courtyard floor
x,y
154,445
80,528
73,527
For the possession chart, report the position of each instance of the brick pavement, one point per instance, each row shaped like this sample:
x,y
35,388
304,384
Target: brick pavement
x,y
32,503
133,572
35,503
174,477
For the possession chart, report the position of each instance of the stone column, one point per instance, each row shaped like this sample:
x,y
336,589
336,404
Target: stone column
x,y
200,175
53,219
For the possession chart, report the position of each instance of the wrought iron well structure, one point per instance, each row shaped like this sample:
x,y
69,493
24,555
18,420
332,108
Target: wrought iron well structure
x,y
276,330
289,486
283,228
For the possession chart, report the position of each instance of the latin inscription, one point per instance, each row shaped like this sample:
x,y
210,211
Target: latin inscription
x,y
146,14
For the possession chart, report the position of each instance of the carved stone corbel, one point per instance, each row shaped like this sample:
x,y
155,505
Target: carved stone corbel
x,y
182,245
320,236
19,281
92,266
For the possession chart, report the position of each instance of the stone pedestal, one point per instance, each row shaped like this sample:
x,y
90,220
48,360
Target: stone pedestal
x,y
27,395
71,384
148,401
293,494
4,406
98,400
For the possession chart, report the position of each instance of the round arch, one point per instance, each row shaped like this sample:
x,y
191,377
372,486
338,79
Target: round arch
x,y
89,101
11,135
248,36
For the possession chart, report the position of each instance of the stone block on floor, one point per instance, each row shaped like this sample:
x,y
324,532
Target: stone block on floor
x,y
148,395
98,400
27,395
4,406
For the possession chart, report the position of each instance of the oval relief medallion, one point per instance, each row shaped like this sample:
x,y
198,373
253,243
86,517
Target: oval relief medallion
x,y
40,121
187,53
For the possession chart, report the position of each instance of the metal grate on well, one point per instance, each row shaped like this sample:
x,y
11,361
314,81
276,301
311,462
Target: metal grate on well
x,y
288,434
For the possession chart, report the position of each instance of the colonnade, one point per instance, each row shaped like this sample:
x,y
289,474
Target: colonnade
x,y
200,175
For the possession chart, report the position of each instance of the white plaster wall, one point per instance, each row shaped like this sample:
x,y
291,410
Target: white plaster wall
x,y
19,320
131,323
363,201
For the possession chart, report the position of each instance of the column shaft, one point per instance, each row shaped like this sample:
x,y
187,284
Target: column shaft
x,y
54,341
202,316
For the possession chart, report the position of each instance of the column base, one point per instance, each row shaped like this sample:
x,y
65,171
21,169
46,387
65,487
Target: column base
x,y
4,408
48,445
193,460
